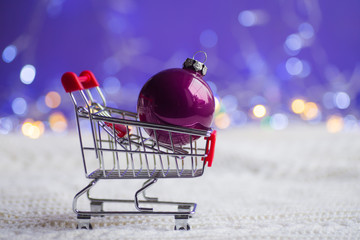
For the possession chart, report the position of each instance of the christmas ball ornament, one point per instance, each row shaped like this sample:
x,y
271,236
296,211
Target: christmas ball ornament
x,y
180,97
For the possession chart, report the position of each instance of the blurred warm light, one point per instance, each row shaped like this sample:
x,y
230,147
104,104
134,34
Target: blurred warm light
x,y
335,124
217,105
52,99
259,111
26,128
57,122
32,129
311,111
40,125
222,121
298,106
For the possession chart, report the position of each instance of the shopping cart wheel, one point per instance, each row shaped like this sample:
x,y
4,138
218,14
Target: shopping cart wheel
x,y
87,227
84,223
181,222
187,228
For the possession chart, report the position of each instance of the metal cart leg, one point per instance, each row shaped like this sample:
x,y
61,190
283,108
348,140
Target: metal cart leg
x,y
83,219
150,199
145,186
96,206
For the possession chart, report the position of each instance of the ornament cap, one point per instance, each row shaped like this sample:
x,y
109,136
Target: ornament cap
x,y
192,63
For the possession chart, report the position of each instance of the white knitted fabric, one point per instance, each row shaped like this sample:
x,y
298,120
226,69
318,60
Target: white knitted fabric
x,y
300,183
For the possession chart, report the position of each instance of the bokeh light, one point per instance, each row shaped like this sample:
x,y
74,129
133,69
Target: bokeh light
x,y
294,66
52,99
247,18
238,118
58,122
40,125
306,30
342,100
19,106
279,121
208,38
111,85
259,111
268,55
293,43
27,74
32,129
222,121
217,105
9,53
306,69
334,123
6,125
350,122
311,111
298,106
230,103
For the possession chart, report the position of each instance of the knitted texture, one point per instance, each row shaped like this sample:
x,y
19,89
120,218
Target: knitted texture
x,y
299,183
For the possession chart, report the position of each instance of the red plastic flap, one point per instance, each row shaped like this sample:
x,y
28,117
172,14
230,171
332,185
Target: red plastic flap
x,y
88,79
71,82
119,129
210,148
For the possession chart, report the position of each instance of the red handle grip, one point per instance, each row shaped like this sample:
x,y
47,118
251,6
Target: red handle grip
x,y
210,148
71,82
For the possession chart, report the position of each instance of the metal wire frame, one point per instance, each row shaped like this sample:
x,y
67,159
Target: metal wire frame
x,y
135,144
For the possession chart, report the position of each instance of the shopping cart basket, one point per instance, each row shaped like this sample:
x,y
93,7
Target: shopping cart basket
x,y
119,148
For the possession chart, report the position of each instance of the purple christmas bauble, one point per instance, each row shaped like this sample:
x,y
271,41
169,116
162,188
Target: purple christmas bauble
x,y
176,97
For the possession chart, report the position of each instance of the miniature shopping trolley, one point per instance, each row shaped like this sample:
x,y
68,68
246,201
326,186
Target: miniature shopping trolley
x,y
118,147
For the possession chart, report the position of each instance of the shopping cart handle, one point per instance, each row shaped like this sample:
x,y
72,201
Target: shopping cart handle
x,y
210,148
88,79
71,82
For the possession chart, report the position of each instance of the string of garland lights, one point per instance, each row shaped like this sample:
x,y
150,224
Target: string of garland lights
x,y
270,63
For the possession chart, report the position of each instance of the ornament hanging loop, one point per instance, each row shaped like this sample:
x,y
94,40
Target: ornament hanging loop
x,y
198,53
191,63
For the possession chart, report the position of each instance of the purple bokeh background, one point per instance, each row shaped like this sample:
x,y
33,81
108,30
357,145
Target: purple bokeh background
x,y
130,41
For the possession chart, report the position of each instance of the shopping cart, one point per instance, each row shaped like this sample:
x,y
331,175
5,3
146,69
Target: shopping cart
x,y
118,147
